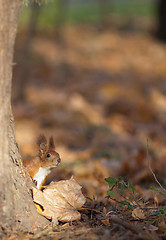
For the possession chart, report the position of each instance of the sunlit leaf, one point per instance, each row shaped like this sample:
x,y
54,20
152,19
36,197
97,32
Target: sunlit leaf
x,y
111,193
122,187
125,203
138,213
152,188
111,181
162,211
60,200
131,187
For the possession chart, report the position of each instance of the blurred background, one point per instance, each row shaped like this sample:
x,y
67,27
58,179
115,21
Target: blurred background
x,y
92,73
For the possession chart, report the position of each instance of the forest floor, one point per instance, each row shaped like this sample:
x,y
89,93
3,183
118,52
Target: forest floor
x,y
103,98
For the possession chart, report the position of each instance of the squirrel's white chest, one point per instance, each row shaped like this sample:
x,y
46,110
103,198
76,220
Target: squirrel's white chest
x,y
40,176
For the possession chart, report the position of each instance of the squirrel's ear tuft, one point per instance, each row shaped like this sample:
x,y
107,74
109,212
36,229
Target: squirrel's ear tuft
x,y
41,139
51,143
42,143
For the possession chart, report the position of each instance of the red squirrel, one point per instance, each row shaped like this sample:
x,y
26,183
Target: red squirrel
x,y
41,165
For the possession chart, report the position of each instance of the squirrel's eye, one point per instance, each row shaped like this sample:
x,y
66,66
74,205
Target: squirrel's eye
x,y
48,155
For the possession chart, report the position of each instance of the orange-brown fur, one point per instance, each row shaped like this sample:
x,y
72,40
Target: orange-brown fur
x,y
47,157
32,165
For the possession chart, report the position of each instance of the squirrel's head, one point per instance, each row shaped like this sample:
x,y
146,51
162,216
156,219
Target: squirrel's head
x,y
48,156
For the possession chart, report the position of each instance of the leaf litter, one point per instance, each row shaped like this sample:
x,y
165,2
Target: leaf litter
x,y
101,116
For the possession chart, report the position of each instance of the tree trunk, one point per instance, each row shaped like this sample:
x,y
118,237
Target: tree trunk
x,y
104,6
161,31
61,16
17,210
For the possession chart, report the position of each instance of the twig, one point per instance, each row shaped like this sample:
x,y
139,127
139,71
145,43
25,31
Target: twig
x,y
130,226
149,164
91,209
113,199
117,220
109,213
128,200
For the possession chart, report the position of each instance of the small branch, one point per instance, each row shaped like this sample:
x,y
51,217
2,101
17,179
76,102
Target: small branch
x,y
113,199
149,164
130,226
117,220
91,209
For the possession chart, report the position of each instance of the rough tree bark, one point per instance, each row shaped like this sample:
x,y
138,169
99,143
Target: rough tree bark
x,y
17,210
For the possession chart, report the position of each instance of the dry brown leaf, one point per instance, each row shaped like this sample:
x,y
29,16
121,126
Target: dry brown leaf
x,y
105,222
60,200
93,113
104,210
152,228
138,214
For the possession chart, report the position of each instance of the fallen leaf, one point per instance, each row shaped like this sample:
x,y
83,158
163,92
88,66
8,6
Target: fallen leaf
x,y
79,103
105,222
104,210
152,228
60,200
138,214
